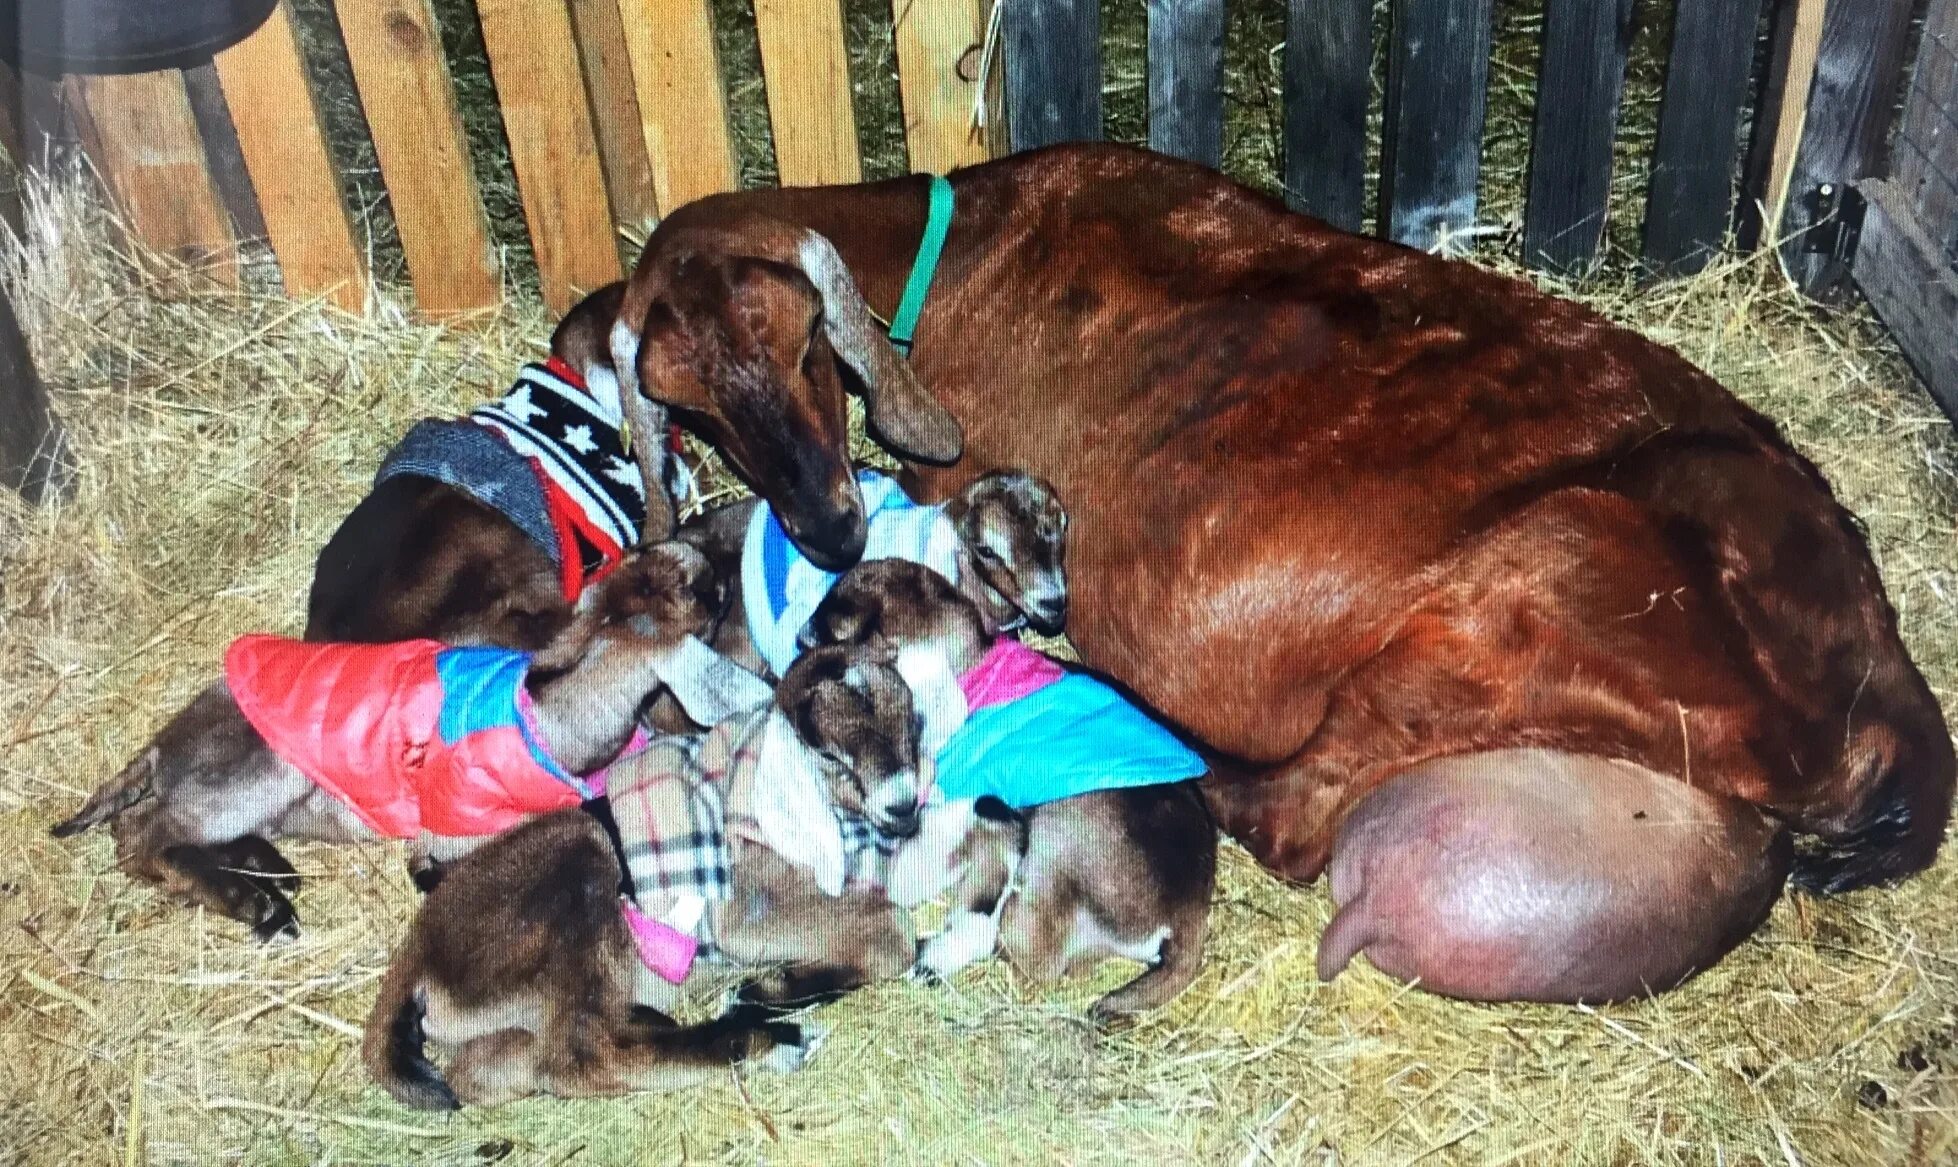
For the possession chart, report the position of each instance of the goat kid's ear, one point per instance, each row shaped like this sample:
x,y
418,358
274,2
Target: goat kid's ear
x,y
791,808
710,687
899,410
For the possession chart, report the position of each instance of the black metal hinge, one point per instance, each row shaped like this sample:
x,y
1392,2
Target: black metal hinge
x,y
1836,211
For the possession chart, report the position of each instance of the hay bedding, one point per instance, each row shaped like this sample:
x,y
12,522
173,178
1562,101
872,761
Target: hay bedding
x,y
223,436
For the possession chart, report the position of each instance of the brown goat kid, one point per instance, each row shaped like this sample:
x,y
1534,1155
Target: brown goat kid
x,y
1060,886
194,812
1010,555
1401,509
522,959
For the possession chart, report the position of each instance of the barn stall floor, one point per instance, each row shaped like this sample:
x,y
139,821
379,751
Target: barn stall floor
x,y
222,437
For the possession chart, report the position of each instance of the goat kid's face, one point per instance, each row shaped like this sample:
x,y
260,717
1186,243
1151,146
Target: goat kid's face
x,y
664,592
1015,529
749,333
852,708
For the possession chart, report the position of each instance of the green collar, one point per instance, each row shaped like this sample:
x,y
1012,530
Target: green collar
x,y
938,223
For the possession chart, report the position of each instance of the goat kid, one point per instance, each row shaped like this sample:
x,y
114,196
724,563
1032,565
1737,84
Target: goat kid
x,y
1078,874
413,740
483,530
1002,540
524,961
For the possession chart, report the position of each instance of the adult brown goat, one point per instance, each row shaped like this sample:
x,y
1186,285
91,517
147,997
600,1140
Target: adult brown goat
x,y
1347,512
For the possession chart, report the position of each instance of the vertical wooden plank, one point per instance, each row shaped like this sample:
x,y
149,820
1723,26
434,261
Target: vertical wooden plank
x,y
395,49
806,74
222,154
1053,71
553,147
1437,95
1328,85
1689,202
1578,87
615,112
155,162
677,71
1186,79
277,117
1900,268
1778,117
1857,68
1926,149
34,457
939,43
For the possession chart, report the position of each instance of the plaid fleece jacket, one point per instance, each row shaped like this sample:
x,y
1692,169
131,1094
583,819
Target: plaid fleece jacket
x,y
682,802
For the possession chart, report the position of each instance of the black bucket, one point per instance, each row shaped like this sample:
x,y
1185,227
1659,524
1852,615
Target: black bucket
x,y
51,37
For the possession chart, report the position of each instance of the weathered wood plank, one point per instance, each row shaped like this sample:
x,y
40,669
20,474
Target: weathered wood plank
x,y
1689,203
34,455
1778,117
277,118
1053,71
1583,76
395,48
150,149
1926,149
1437,96
806,75
1858,64
938,71
677,70
1328,86
553,147
1899,268
1186,79
615,112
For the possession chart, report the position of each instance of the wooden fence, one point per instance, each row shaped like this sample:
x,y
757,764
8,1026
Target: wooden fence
x,y
652,128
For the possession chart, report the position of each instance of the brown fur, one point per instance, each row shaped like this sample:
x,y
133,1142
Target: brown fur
x,y
419,558
1398,507
1125,872
208,790
521,957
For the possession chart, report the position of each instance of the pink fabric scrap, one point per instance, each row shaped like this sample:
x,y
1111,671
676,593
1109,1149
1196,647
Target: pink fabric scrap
x,y
1009,671
664,949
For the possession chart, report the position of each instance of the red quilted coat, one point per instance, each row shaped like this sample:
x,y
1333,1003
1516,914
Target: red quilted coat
x,y
413,736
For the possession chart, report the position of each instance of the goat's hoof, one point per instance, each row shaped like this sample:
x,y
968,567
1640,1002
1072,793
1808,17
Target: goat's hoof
x,y
1110,1020
425,878
279,924
794,1046
926,975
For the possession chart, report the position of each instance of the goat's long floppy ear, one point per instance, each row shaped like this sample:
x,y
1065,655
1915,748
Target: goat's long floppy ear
x,y
709,686
792,810
936,695
647,419
900,411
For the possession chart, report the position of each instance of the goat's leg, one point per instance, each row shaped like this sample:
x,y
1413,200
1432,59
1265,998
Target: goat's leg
x,y
211,877
820,948
1034,932
1538,875
589,1057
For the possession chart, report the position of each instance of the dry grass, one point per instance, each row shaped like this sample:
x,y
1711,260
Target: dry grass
x,y
223,437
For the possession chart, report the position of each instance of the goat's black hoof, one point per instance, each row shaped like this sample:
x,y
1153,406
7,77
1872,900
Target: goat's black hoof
x,y
277,923
426,878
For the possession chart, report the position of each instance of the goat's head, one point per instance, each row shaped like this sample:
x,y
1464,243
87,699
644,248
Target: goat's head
x,y
853,710
655,610
1014,528
917,616
751,333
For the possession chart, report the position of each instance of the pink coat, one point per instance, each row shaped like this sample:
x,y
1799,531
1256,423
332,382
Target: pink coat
x,y
412,736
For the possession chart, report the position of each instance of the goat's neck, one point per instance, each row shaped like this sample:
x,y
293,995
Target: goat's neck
x,y
586,714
